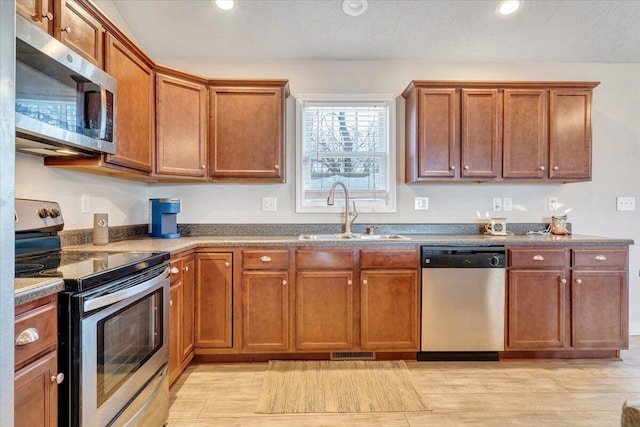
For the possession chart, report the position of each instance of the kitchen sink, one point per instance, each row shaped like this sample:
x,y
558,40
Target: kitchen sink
x,y
351,236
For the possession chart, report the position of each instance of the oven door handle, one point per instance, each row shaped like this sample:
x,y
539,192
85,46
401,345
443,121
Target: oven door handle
x,y
105,300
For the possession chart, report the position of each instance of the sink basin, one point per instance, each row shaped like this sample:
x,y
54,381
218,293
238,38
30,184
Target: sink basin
x,y
342,236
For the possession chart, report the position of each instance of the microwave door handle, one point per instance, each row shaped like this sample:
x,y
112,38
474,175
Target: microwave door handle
x,y
105,300
103,112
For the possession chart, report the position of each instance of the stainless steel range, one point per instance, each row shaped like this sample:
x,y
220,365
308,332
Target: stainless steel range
x,y
113,327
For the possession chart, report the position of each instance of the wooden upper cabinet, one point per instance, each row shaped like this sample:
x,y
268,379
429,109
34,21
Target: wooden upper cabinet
x,y
181,118
81,31
480,137
570,134
134,110
247,130
39,12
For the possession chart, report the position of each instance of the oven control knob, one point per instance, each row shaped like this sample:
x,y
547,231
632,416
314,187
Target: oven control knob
x,y
43,212
494,261
54,212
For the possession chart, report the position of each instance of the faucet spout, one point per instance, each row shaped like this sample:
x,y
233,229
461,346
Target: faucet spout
x,y
348,216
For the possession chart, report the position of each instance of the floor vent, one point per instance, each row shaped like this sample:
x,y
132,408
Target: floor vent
x,y
353,355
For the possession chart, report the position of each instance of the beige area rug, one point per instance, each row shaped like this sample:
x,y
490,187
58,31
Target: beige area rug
x,y
338,386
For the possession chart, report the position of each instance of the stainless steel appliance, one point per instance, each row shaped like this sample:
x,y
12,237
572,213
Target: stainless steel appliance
x,y
463,303
64,104
113,323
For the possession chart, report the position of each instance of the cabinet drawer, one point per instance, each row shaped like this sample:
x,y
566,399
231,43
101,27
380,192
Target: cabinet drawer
x,y
389,258
265,260
37,328
534,258
317,260
600,258
176,270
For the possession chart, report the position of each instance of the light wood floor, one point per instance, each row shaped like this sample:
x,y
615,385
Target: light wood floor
x,y
508,393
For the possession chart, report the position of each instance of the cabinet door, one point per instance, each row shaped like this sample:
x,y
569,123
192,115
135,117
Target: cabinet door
x,y
246,133
188,305
525,133
390,310
36,395
214,300
600,315
181,147
438,141
134,107
265,311
570,134
81,31
175,330
324,310
480,134
38,12
536,310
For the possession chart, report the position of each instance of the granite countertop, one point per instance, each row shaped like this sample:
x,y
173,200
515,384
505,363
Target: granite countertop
x,y
30,289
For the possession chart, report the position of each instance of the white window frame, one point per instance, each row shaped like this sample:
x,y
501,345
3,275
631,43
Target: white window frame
x,y
390,102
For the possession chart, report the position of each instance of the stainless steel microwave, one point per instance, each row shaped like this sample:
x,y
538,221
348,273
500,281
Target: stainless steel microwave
x,y
65,105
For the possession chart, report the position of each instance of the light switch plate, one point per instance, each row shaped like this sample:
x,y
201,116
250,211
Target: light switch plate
x,y
85,202
507,204
421,203
496,206
553,204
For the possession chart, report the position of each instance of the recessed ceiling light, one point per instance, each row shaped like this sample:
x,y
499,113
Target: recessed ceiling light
x,y
508,7
354,7
225,5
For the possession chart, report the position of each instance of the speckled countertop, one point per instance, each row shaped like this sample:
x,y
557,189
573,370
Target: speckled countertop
x,y
30,289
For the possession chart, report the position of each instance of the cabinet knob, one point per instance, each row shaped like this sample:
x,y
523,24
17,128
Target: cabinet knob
x,y
563,281
57,378
542,168
601,258
284,283
349,282
538,258
48,15
227,263
555,168
365,282
186,268
174,270
66,29
466,167
276,167
202,167
452,167
170,303
578,281
265,258
28,336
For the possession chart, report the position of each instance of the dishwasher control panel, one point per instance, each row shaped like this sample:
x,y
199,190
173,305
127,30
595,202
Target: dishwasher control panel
x,y
463,257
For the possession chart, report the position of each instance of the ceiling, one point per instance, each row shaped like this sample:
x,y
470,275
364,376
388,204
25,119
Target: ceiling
x,y
432,30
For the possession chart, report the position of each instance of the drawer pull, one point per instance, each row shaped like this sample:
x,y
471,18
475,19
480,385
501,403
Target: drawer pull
x,y
601,257
57,378
174,270
538,258
265,258
28,336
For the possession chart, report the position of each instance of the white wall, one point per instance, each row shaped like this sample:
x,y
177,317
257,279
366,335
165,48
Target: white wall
x,y
590,205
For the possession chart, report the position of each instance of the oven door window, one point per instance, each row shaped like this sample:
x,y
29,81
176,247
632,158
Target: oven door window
x,y
126,340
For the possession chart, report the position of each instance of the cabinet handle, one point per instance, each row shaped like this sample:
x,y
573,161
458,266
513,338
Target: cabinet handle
x,y
265,258
284,283
276,167
466,167
452,167
227,264
186,268
48,15
538,258
601,258
555,168
563,281
57,378
578,281
28,336
365,282
349,282
66,29
542,168
174,270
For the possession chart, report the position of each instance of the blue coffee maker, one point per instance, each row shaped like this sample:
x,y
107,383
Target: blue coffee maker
x,y
163,217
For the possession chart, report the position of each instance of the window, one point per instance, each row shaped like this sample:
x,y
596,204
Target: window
x,y
347,138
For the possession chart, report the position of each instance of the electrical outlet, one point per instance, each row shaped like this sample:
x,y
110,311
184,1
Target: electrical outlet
x,y
269,204
626,203
497,204
85,204
553,204
421,203
507,204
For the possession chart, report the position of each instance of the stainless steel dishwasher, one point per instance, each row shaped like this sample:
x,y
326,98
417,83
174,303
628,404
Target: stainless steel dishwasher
x,y
463,303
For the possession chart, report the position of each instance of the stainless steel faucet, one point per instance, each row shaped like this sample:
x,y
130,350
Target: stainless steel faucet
x,y
349,217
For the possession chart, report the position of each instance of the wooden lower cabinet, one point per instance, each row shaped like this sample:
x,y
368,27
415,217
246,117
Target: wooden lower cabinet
x,y
214,300
175,326
181,314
